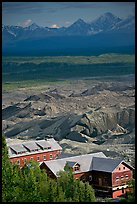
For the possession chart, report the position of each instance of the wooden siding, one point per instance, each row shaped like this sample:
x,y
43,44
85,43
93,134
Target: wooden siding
x,y
101,179
48,171
79,175
121,168
86,176
39,157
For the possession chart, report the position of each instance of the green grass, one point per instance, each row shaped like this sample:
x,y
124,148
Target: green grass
x,y
104,58
35,84
23,72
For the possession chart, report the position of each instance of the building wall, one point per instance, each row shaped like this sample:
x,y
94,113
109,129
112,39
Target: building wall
x,y
48,171
85,176
117,193
120,192
21,159
121,175
79,175
101,179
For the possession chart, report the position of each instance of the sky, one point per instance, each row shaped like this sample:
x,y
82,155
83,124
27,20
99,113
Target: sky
x,y
59,14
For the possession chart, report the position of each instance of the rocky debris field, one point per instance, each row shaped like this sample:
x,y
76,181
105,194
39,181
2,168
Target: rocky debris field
x,y
94,114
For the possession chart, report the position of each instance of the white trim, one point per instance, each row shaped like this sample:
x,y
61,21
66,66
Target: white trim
x,y
119,187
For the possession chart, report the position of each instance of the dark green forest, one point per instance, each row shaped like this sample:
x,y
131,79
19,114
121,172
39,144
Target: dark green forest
x,y
55,71
66,67
31,184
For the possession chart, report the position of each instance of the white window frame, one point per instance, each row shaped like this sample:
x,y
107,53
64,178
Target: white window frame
x,y
90,178
18,162
44,157
25,160
38,158
117,178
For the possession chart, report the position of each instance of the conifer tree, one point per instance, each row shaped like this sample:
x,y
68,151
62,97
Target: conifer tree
x,y
7,174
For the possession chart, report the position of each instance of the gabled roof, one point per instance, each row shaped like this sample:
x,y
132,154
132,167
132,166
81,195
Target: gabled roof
x,y
84,161
107,164
104,164
43,144
88,162
31,146
18,148
22,148
128,165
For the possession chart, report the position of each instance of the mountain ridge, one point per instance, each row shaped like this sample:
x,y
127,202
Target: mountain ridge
x,y
108,27
106,18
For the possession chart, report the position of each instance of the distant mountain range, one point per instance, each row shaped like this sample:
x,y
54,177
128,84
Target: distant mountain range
x,y
104,32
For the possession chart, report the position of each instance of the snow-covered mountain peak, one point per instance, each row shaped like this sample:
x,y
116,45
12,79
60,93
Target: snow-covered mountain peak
x,y
107,18
33,26
79,22
108,15
105,22
127,24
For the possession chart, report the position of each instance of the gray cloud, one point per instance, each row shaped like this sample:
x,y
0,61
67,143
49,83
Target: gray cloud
x,y
41,7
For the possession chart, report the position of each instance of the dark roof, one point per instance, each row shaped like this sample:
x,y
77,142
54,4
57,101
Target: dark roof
x,y
84,161
104,164
88,162
71,163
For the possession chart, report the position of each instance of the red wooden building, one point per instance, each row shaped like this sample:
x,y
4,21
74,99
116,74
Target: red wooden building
x,y
107,176
38,150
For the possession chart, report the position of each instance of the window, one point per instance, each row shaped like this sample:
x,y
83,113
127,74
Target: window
x,y
76,168
31,158
126,176
105,179
124,167
50,156
119,168
38,158
122,177
90,178
44,157
18,162
25,160
57,155
117,178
